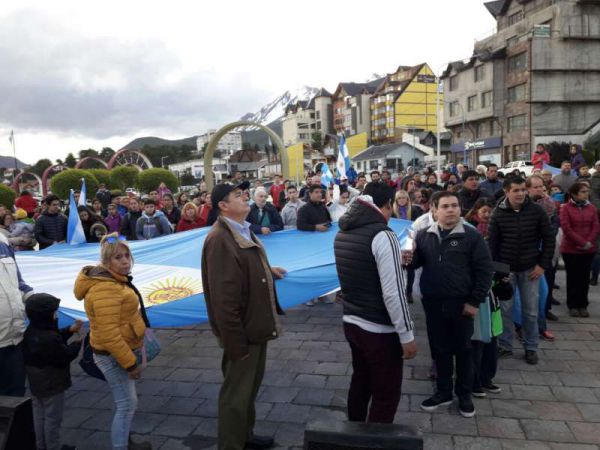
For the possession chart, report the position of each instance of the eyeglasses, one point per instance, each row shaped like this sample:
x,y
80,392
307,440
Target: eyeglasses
x,y
113,239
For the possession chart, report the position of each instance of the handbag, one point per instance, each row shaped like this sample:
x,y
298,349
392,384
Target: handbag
x,y
87,363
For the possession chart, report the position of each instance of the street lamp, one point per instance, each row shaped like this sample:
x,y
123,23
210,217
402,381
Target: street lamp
x,y
162,161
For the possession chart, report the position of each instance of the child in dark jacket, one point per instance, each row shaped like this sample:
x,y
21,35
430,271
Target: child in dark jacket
x,y
47,363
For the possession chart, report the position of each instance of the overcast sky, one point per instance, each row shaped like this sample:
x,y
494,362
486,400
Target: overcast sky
x,y
76,75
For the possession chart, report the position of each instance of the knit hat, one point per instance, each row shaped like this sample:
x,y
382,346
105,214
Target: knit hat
x,y
20,214
597,163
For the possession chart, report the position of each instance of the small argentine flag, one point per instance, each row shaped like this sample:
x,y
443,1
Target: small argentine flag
x,y
75,234
326,175
82,196
343,159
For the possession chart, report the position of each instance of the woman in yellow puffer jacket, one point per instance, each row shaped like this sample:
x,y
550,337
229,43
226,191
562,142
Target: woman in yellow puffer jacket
x,y
116,330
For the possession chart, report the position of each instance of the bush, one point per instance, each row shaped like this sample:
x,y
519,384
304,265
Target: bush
x,y
148,180
102,175
62,182
116,192
7,196
123,177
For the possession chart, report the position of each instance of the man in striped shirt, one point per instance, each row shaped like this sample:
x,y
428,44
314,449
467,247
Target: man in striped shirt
x,y
377,321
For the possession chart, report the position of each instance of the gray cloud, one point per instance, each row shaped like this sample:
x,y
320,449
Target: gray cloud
x,y
56,80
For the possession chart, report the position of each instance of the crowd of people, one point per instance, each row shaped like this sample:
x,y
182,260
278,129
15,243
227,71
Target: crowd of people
x,y
480,243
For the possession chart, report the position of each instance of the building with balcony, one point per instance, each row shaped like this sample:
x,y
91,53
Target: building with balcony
x,y
228,144
404,101
323,113
299,122
536,80
351,107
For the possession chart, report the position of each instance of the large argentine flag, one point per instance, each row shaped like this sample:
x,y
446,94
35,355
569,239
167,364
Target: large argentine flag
x,y
343,159
168,274
75,234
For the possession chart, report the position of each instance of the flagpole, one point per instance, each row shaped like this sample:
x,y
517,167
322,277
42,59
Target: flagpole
x,y
12,141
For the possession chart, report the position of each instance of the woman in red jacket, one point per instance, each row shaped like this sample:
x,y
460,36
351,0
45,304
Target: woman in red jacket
x,y
579,222
27,202
189,218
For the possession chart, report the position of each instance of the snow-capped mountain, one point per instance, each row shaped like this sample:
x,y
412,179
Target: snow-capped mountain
x,y
274,111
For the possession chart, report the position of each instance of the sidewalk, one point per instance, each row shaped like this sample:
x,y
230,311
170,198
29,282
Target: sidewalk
x,y
554,405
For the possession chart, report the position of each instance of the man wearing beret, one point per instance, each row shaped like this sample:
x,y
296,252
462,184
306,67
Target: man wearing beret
x,y
243,310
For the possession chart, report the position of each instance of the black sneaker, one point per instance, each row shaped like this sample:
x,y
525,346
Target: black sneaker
x,y
554,302
491,388
435,401
573,312
594,282
583,312
551,316
504,353
479,393
465,406
531,357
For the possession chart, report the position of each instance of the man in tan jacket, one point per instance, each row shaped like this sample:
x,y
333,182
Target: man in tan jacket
x,y
243,310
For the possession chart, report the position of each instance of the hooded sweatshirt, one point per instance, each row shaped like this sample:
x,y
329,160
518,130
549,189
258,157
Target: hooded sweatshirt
x,y
150,227
45,350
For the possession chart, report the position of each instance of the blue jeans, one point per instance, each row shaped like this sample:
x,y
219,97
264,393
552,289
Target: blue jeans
x,y
125,396
529,290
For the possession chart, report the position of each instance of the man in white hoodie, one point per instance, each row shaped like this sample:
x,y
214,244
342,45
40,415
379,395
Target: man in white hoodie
x,y
289,213
13,293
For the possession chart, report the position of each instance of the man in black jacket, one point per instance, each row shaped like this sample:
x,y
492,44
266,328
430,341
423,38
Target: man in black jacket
x,y
457,275
470,192
263,216
51,226
520,235
314,216
129,222
377,321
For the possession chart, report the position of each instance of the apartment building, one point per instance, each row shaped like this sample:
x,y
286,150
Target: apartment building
x,y
535,80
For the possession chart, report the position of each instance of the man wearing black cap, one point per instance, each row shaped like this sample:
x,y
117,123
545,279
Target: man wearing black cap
x,y
243,310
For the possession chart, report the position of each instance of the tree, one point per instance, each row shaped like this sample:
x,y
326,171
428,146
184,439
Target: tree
x,y
59,162
39,167
88,152
317,140
70,160
187,179
106,153
62,182
7,196
148,180
102,175
591,148
123,177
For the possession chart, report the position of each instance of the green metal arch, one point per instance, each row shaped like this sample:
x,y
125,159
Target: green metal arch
x,y
212,146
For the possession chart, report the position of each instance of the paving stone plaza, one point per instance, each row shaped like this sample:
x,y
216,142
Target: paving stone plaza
x,y
554,405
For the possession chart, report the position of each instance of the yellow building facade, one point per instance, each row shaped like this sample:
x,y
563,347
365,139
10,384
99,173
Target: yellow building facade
x,y
404,102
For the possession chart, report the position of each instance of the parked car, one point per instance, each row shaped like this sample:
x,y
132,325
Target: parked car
x,y
525,167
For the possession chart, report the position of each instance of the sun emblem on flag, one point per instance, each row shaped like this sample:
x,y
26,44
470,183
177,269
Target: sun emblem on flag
x,y
170,289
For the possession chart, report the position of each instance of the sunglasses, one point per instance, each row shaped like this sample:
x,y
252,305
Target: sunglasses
x,y
113,239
